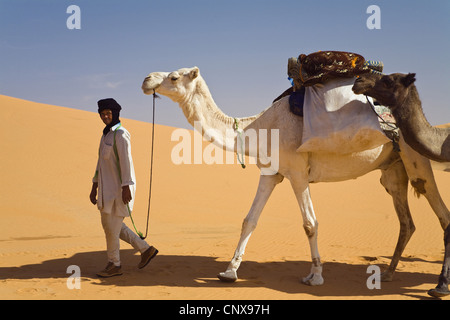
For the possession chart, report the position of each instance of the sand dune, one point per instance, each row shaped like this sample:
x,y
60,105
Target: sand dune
x,y
48,157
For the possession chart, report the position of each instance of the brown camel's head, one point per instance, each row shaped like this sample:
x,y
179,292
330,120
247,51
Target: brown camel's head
x,y
389,90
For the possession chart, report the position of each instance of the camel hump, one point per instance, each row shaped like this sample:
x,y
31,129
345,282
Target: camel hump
x,y
318,67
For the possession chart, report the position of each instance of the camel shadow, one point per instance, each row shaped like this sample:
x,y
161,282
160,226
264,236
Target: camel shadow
x,y
341,279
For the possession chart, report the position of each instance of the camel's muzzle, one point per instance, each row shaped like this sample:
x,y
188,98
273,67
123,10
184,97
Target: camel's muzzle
x,y
149,86
358,86
152,82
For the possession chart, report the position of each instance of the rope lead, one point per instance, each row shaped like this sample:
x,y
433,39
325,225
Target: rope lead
x,y
140,234
151,164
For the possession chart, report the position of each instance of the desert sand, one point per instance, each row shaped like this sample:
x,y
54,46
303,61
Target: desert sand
x,y
48,157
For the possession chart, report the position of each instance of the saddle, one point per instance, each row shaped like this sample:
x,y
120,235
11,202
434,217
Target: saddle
x,y
335,120
321,66
318,67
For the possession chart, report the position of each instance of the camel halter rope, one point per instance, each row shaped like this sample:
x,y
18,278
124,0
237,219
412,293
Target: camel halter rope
x,y
151,166
151,172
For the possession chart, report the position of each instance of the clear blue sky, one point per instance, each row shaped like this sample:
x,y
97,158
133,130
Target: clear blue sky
x,y
240,46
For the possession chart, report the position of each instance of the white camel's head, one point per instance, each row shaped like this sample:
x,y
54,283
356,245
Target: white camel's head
x,y
176,85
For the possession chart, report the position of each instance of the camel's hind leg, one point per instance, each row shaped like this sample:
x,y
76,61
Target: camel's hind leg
x,y
395,180
266,185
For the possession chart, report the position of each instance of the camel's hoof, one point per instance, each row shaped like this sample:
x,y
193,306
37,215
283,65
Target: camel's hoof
x,y
313,280
438,292
228,276
386,276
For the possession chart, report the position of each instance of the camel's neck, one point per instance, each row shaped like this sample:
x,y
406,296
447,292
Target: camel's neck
x,y
429,141
204,115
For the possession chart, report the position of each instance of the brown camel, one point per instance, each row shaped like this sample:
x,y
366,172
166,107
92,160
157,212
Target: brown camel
x,y
398,92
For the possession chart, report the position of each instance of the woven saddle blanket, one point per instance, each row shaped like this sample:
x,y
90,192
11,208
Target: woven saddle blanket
x,y
318,67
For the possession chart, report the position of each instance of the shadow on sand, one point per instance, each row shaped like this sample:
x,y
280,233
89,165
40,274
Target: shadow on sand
x,y
341,279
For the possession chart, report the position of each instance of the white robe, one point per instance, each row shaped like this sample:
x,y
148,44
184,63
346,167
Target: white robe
x,y
107,173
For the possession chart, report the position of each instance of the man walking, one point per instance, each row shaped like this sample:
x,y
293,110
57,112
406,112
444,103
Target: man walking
x,y
116,184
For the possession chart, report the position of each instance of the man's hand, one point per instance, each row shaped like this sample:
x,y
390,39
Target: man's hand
x,y
126,194
93,195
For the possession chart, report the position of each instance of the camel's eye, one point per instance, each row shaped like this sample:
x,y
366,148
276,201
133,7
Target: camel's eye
x,y
174,76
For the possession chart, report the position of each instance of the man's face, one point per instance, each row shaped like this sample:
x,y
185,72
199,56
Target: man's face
x,y
106,116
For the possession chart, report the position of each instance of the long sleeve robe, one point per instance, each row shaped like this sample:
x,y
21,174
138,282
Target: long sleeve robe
x,y
107,173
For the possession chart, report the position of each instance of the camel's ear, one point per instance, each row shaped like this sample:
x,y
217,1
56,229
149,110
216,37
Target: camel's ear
x,y
194,73
409,79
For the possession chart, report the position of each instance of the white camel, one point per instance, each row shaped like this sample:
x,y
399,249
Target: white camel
x,y
187,88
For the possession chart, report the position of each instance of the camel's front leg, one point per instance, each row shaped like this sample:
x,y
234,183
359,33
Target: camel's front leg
x,y
266,185
441,289
422,179
300,185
